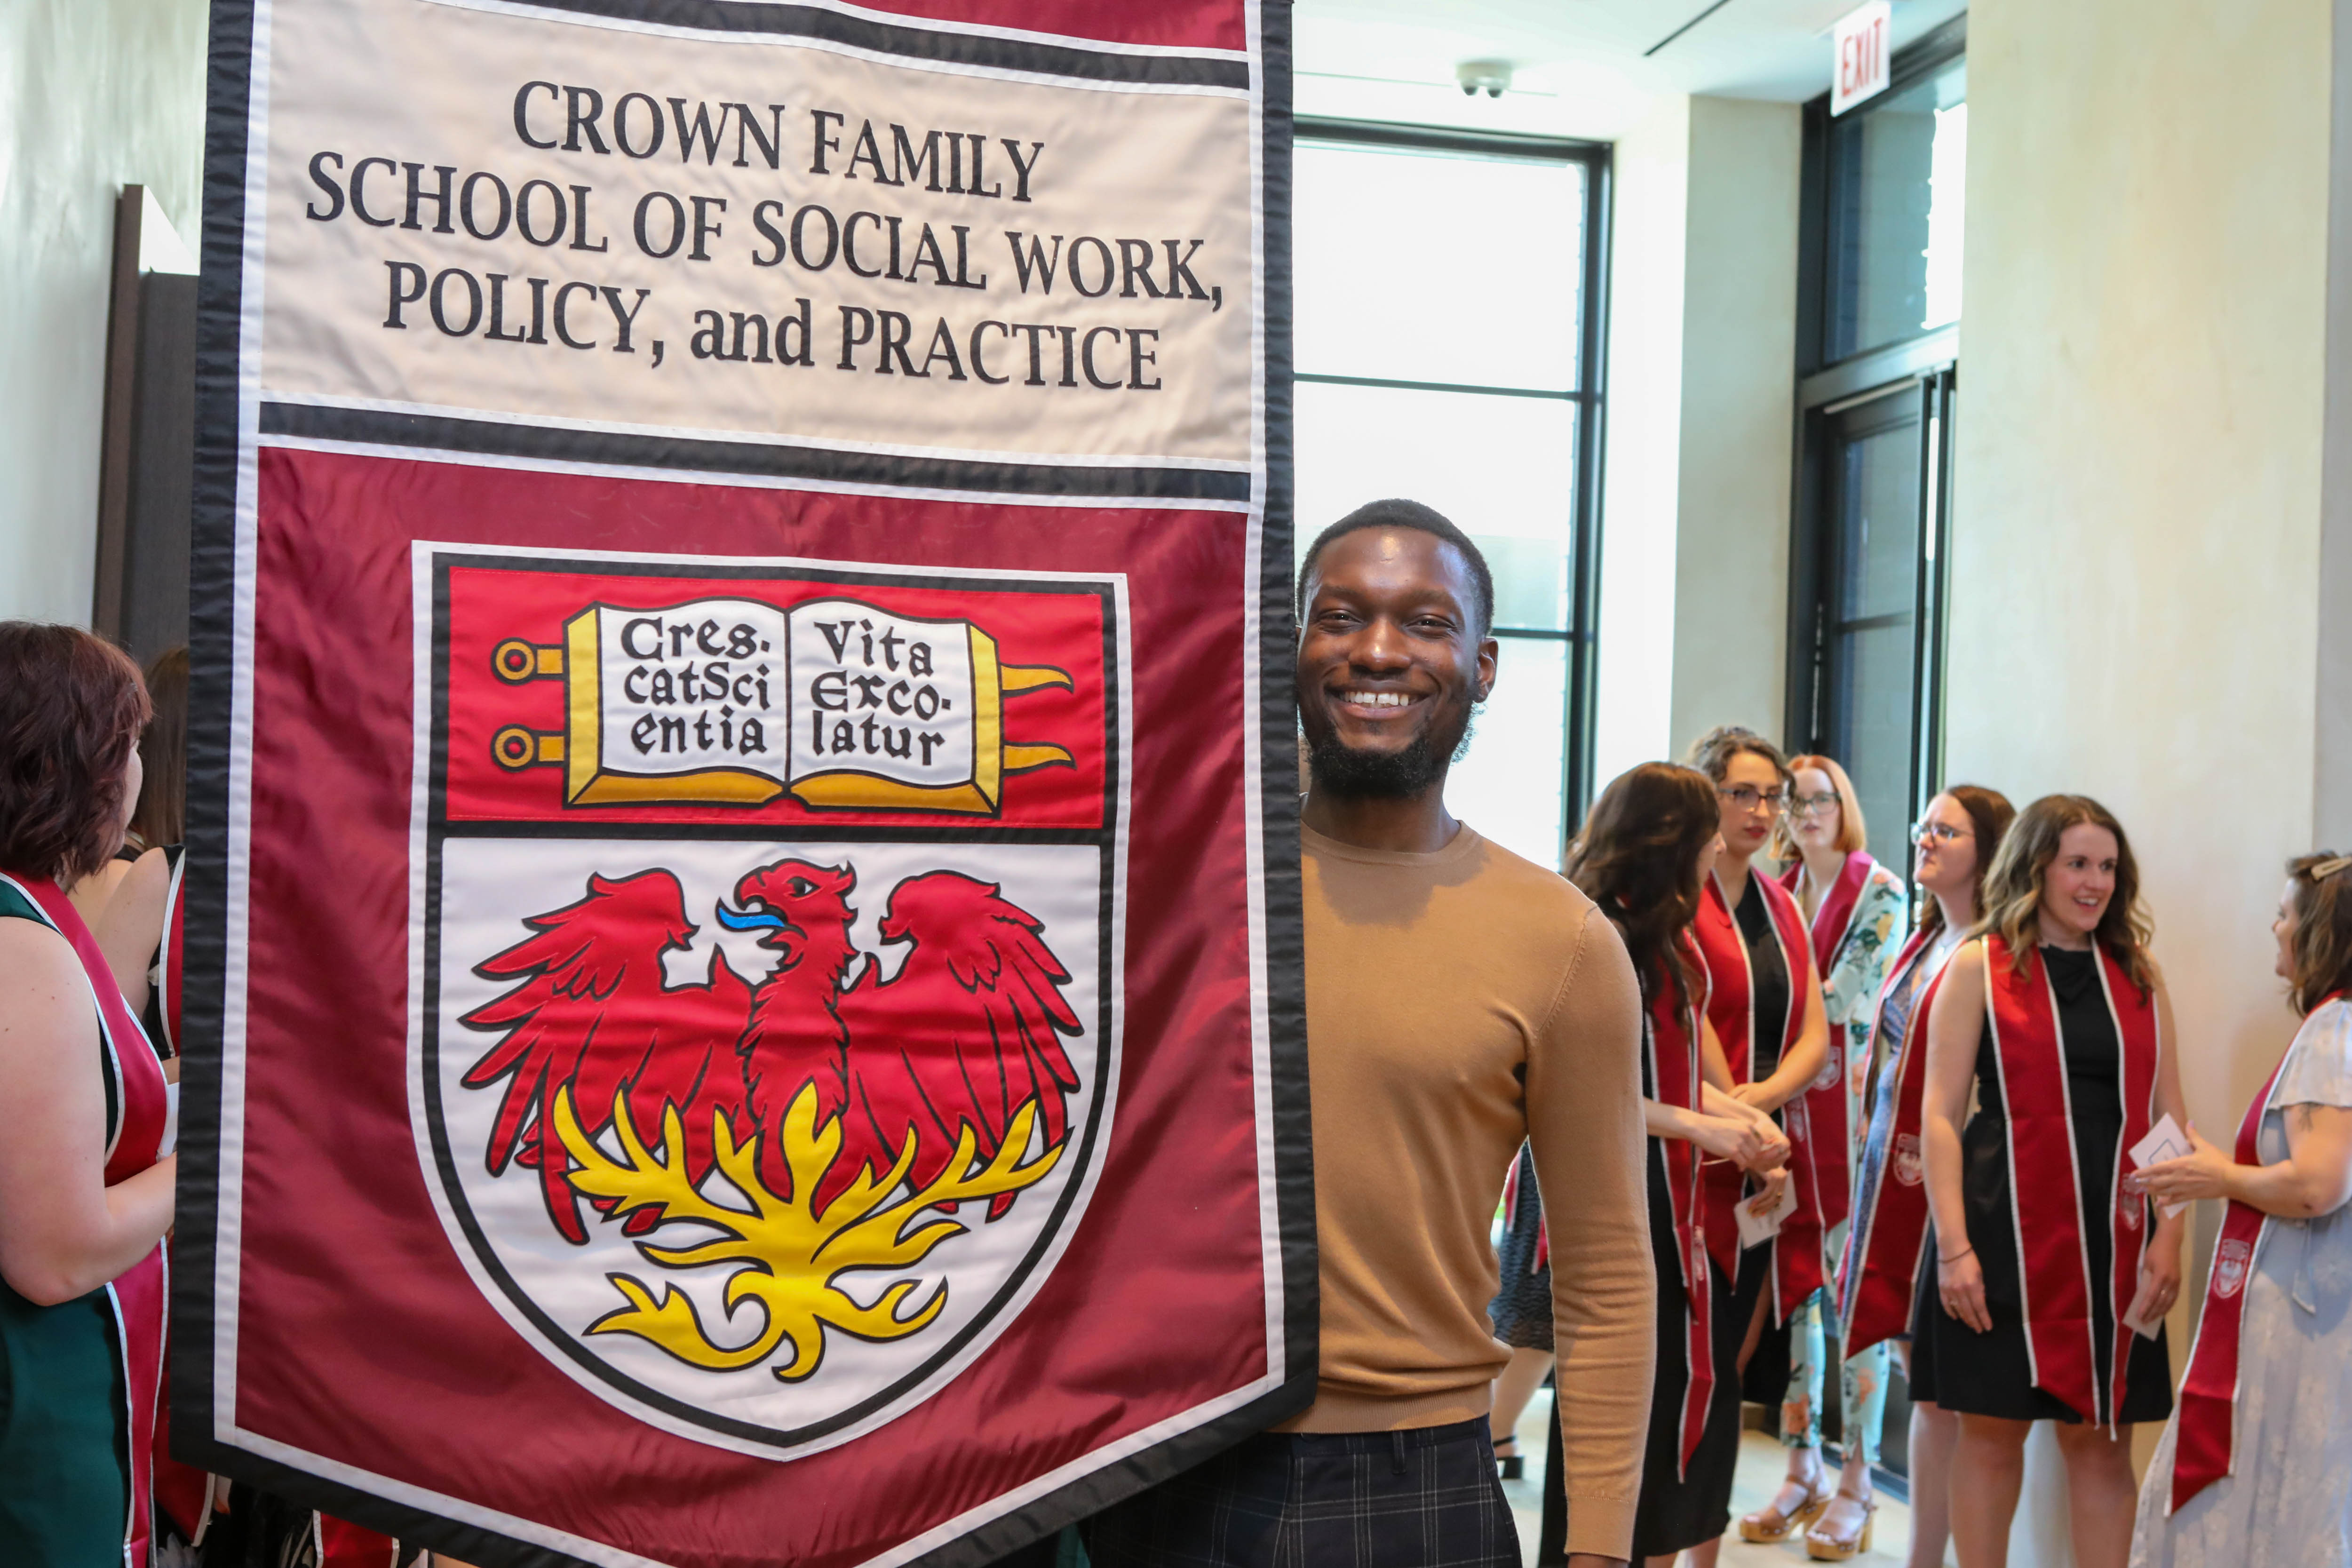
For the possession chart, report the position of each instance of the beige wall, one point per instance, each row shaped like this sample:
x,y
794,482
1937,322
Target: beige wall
x,y
2137,537
1738,358
94,95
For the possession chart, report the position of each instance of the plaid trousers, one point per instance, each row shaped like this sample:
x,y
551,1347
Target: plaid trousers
x,y
1422,1499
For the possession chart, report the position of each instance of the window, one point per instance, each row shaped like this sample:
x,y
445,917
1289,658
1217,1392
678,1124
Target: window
x,y
1896,173
1448,345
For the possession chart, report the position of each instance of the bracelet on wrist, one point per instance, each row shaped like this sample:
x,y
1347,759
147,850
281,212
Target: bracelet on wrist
x,y
1956,1257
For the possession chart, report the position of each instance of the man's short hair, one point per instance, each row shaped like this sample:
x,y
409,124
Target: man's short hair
x,y
1398,513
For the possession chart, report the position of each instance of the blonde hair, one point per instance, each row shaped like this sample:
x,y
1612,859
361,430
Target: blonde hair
x,y
2012,888
1852,833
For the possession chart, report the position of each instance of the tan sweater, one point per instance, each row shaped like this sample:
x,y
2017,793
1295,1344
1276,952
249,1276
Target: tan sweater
x,y
1457,1003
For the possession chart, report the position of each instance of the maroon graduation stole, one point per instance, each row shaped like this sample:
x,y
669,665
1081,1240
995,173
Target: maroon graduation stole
x,y
1670,1041
2204,1447
1886,1244
138,1294
2045,1200
1827,1108
1799,1266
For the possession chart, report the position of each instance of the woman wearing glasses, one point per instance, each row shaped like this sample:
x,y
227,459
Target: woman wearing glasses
x,y
1765,1004
2256,1470
2058,1024
1853,908
1642,856
1878,1277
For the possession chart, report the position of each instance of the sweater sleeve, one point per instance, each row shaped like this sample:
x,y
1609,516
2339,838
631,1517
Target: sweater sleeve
x,y
1584,1123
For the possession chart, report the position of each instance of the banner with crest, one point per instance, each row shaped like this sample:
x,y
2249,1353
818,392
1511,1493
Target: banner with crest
x,y
743,922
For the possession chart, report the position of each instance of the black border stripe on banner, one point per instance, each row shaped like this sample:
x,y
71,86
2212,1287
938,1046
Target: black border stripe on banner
x,y
212,580
985,51
500,438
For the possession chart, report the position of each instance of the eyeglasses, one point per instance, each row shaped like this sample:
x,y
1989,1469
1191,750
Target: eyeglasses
x,y
1746,797
1806,805
1925,833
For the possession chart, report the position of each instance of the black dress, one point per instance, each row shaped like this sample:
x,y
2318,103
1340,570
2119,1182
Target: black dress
x,y
1989,1373
1765,1381
1521,1310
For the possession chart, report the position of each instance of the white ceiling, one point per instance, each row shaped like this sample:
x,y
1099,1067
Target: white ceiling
x,y
1776,49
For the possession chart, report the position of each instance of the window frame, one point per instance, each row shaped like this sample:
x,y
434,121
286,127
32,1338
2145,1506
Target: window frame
x,y
1817,178
1590,395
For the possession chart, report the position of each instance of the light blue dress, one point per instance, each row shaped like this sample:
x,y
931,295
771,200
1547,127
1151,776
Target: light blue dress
x,y
2288,1503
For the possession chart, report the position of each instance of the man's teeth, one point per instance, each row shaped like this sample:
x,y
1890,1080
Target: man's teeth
x,y
1378,698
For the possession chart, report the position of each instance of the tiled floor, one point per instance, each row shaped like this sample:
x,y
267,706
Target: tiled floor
x,y
1762,1462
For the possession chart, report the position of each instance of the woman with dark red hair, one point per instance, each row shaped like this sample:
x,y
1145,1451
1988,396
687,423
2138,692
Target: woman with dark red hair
x,y
86,1174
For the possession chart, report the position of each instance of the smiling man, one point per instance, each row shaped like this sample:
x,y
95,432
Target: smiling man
x,y
1459,1000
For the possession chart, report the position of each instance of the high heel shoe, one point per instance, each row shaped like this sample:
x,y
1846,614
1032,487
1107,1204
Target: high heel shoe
x,y
1509,1467
1823,1547
1769,1525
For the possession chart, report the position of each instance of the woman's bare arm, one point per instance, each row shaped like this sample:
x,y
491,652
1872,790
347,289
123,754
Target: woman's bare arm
x,y
63,1231
1954,1025
1801,1063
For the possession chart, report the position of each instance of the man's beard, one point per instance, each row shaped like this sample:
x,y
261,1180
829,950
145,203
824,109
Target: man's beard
x,y
1391,775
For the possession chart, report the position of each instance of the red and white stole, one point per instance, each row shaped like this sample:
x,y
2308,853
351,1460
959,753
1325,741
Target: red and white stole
x,y
1670,1041
1799,1266
139,1294
2045,1201
2205,1445
1827,1108
1887,1242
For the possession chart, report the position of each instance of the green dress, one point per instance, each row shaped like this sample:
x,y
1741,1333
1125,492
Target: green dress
x,y
65,1484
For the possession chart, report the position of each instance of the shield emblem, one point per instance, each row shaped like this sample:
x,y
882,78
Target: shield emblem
x,y
758,1091
1908,1169
1833,1068
2230,1261
1794,1122
2132,1207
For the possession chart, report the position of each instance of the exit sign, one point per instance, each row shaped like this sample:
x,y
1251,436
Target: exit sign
x,y
1863,45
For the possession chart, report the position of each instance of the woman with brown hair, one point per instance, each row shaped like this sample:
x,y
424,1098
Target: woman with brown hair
x,y
85,1176
2255,1470
1953,845
2051,1282
1642,856
1765,1004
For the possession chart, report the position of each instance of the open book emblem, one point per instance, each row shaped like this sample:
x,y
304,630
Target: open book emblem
x,y
731,701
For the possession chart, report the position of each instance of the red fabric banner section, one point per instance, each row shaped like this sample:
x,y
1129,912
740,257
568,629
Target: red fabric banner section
x,y
341,1235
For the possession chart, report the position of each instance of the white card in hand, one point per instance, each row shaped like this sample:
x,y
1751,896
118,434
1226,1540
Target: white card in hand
x,y
2165,1141
1757,1227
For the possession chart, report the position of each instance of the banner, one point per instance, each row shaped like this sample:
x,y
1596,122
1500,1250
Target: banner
x,y
742,922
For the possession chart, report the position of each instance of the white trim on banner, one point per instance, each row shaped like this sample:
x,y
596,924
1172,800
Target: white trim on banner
x,y
228,1235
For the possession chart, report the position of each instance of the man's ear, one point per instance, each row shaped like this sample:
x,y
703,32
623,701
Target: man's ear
x,y
1490,653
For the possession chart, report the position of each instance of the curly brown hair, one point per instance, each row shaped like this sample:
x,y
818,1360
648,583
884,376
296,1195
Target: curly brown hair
x,y
71,707
1637,858
1990,814
2321,948
2012,898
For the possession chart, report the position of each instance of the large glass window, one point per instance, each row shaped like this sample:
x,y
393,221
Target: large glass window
x,y
1896,172
1446,345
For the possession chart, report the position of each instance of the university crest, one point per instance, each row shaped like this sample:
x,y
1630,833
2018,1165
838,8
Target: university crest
x,y
769,1047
